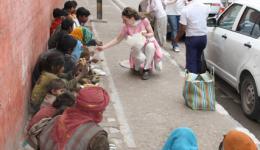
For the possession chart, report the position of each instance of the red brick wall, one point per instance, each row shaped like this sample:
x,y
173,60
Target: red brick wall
x,y
24,31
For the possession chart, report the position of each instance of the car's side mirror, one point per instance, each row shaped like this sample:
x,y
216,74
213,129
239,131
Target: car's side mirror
x,y
212,22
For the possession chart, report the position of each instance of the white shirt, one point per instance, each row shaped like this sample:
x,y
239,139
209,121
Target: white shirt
x,y
194,16
156,7
175,8
76,23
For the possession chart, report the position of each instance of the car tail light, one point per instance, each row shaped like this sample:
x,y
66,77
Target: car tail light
x,y
221,10
215,4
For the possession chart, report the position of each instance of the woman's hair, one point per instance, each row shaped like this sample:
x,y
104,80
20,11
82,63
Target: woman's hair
x,y
63,101
54,62
130,12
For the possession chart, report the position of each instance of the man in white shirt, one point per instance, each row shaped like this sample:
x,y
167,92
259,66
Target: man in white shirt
x,y
173,11
160,26
193,22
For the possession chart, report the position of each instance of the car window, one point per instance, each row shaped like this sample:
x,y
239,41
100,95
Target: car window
x,y
249,23
228,18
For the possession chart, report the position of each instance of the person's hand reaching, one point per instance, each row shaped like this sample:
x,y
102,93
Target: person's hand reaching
x,y
99,48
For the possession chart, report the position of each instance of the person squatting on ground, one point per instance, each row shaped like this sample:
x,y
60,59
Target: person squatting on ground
x,y
54,89
237,140
58,15
45,114
77,128
66,28
141,59
82,15
70,7
53,66
193,22
173,10
181,139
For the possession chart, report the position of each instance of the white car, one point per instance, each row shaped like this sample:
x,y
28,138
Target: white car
x,y
234,51
216,6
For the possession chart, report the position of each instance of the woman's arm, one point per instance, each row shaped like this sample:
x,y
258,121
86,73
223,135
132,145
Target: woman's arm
x,y
113,42
149,30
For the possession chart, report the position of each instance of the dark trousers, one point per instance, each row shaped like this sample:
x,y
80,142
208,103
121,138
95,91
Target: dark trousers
x,y
194,48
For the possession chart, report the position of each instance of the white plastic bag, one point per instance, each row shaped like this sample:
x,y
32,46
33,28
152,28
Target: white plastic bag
x,y
136,40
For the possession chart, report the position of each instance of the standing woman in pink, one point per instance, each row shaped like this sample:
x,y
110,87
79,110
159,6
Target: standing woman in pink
x,y
143,58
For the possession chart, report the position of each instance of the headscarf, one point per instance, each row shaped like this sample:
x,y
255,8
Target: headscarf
x,y
181,139
237,140
90,104
83,34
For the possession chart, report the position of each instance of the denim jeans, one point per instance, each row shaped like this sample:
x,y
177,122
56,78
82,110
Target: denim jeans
x,y
174,24
194,48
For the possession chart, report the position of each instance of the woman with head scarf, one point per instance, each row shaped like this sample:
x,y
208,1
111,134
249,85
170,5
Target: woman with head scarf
x,y
77,128
237,140
181,139
84,35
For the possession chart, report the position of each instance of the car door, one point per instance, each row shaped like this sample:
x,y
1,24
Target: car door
x,y
242,44
218,39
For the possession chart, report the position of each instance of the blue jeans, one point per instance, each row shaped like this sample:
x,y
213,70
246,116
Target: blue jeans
x,y
174,24
194,48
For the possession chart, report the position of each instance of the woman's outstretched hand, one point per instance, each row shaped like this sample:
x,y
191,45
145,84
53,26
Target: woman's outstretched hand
x,y
99,48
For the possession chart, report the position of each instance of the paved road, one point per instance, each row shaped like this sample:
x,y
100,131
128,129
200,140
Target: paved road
x,y
142,113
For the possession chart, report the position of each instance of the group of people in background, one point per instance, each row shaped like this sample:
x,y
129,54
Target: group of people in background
x,y
66,101
185,17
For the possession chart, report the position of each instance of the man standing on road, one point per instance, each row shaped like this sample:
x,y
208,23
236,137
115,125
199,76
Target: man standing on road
x,y
193,22
160,27
173,10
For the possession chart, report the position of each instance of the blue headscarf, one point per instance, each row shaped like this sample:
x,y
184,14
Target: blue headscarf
x,y
181,139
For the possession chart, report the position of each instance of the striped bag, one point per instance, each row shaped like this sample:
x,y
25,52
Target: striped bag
x,y
199,91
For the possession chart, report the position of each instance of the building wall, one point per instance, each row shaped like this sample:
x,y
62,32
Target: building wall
x,y
24,31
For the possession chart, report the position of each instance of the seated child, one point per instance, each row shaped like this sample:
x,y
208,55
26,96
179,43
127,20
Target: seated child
x,y
54,89
45,114
58,15
181,139
237,140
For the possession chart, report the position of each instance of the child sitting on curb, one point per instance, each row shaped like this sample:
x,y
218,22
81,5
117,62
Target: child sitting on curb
x,y
55,88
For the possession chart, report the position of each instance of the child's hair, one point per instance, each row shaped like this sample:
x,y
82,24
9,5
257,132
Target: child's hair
x,y
57,12
55,84
63,101
66,24
81,11
68,5
66,44
74,3
54,62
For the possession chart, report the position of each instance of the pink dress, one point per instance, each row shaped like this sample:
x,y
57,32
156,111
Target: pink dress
x,y
142,26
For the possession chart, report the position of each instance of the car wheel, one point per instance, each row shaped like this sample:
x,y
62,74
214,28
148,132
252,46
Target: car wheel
x,y
249,97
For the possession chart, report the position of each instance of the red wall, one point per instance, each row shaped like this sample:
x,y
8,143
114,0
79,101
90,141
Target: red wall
x,y
24,31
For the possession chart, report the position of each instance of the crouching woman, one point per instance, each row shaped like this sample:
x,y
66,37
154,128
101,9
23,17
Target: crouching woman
x,y
142,58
